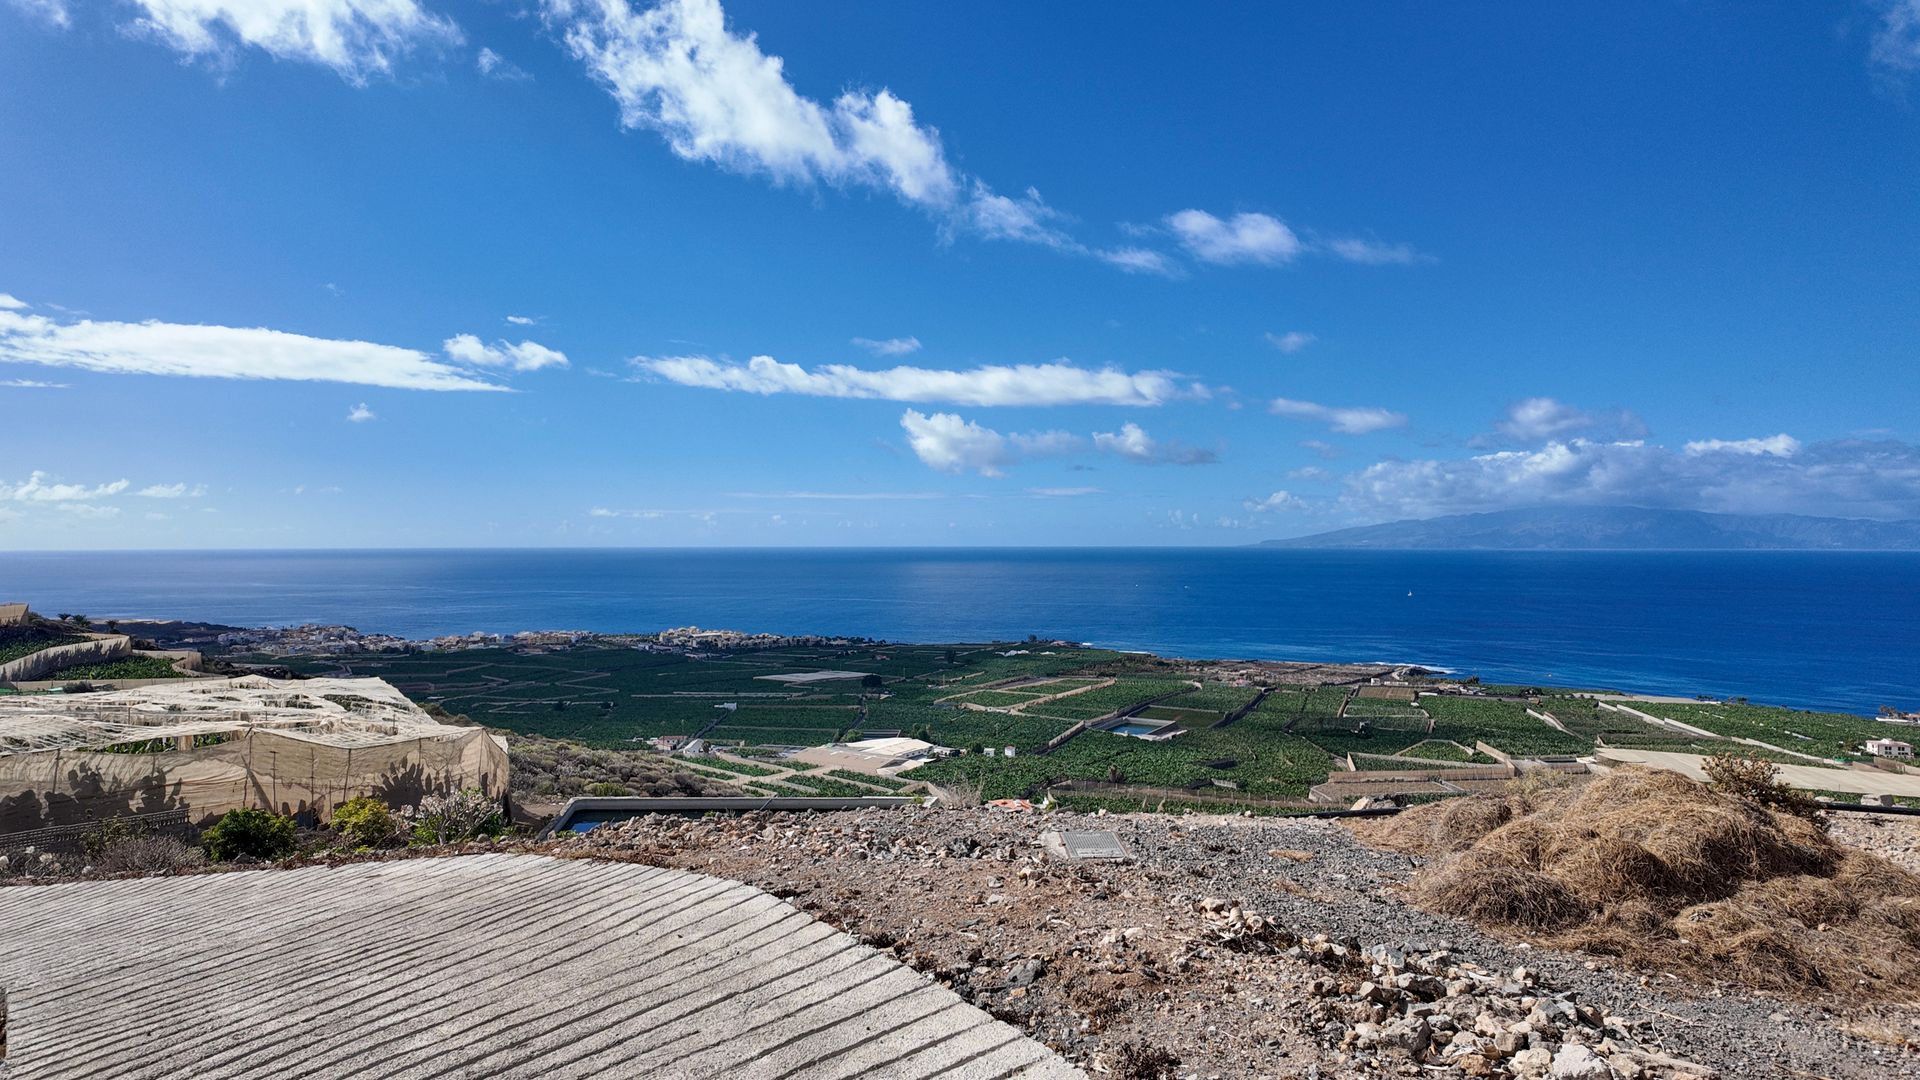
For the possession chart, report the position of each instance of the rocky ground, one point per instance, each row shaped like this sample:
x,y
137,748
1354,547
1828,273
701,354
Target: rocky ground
x,y
1892,837
1240,947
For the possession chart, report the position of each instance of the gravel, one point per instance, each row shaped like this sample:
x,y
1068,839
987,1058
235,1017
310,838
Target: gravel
x,y
1245,947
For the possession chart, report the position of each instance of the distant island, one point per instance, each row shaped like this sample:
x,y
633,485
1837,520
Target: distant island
x,y
1619,528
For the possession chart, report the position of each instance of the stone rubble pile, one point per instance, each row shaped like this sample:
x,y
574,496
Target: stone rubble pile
x,y
1390,1004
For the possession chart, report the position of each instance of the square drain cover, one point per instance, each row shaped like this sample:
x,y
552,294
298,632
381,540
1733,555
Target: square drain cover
x,y
1092,845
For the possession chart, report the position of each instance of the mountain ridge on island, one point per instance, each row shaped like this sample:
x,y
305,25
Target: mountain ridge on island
x,y
1617,528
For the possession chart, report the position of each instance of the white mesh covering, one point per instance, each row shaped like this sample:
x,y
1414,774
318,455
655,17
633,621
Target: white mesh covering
x,y
210,745
350,713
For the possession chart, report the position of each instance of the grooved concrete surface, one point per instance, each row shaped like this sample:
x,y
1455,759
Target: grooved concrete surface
x,y
471,966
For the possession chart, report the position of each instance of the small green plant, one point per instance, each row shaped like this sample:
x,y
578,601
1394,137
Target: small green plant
x,y
457,818
366,822
1756,780
251,834
606,789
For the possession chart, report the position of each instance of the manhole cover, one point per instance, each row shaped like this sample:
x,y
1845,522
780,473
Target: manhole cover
x,y
1092,845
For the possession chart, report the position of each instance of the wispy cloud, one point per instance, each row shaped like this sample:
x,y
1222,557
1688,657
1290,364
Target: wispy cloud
x,y
1290,342
494,66
1895,47
360,414
522,320
225,352
358,39
1243,238
39,487
172,491
1773,474
1374,252
1279,500
1134,444
1349,421
898,346
524,356
1057,383
1537,419
844,496
32,384
10,302
1062,492
1783,446
53,13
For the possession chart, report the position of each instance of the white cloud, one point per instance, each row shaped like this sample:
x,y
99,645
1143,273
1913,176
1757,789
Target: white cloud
x,y
899,346
1290,342
52,12
1350,421
1848,478
951,444
358,39
1374,253
1134,444
1138,260
226,352
1244,238
1279,500
676,69
360,414
1057,383
494,66
90,511
32,384
10,302
37,489
526,356
1772,445
522,320
1895,47
172,491
1537,419
1062,492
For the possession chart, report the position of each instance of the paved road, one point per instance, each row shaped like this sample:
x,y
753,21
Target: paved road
x,y
1857,781
471,966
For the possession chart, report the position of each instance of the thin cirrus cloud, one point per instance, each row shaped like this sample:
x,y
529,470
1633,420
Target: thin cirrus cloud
x,y
950,443
1256,239
172,491
1057,383
898,346
357,39
197,350
494,66
1346,420
1895,45
54,13
1291,342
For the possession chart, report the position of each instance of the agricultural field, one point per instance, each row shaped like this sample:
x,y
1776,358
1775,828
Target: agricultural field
x,y
1504,725
129,667
19,641
1831,735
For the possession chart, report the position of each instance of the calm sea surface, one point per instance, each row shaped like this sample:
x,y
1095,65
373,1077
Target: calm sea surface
x,y
1814,629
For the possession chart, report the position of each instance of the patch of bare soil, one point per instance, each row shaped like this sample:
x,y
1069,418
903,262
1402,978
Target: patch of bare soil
x,y
1234,947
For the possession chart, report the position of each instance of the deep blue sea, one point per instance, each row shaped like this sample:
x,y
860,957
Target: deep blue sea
x,y
1822,630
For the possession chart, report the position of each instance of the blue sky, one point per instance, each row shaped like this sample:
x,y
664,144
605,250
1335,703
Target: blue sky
x,y
578,272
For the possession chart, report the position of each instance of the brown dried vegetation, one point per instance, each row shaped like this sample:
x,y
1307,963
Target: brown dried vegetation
x,y
1665,872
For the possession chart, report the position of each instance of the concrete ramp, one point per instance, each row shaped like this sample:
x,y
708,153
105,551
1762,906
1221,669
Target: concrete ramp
x,y
471,966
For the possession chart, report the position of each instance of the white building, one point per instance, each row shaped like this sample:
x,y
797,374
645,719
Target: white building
x,y
1892,748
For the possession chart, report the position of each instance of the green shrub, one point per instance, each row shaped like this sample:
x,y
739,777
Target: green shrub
x,y
606,789
366,822
249,833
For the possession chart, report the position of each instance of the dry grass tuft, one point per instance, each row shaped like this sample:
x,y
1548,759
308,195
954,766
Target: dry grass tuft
x,y
1665,872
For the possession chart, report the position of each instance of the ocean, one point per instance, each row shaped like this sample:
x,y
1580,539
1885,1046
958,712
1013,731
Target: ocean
x,y
1816,630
